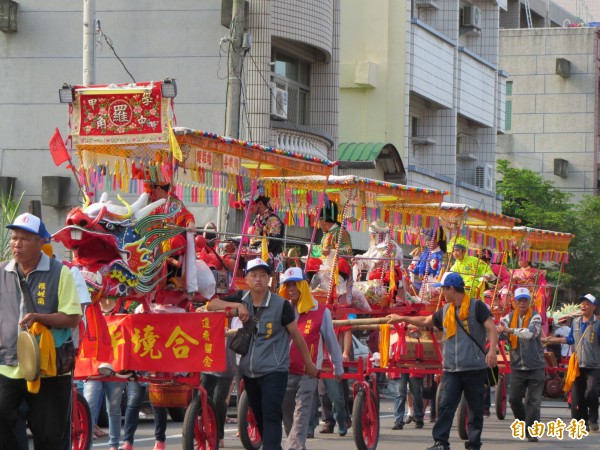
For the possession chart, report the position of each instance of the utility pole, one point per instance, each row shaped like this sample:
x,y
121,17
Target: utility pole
x,y
234,82
234,88
89,47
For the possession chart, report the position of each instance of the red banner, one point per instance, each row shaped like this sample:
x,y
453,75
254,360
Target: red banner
x,y
175,342
120,114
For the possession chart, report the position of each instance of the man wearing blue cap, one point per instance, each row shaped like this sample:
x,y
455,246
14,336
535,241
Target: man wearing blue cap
x,y
265,366
465,322
584,336
37,293
523,329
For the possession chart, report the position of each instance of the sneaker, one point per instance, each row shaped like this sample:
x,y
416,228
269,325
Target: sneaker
x,y
594,426
326,429
486,412
419,424
221,443
432,417
160,445
398,426
310,435
342,431
409,419
126,446
532,439
438,446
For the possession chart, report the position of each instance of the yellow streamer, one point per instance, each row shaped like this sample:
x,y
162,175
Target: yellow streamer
x,y
175,148
384,344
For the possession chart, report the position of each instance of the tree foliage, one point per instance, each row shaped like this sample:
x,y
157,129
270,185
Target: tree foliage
x,y
540,205
583,251
9,209
532,199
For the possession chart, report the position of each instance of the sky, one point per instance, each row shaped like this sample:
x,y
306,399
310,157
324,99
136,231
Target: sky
x,y
578,7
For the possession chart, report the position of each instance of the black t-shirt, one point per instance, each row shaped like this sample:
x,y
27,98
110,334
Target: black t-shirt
x,y
481,314
287,314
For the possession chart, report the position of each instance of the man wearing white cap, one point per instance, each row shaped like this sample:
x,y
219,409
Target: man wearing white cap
x,y
316,326
37,293
523,328
584,335
265,366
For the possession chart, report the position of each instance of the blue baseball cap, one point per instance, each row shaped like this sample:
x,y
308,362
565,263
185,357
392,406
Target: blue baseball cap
x,y
451,279
32,224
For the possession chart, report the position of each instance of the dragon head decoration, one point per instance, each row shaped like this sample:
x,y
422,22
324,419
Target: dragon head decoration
x,y
114,245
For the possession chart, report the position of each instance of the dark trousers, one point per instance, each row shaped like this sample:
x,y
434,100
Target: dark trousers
x,y
265,395
217,389
453,385
584,395
160,423
525,395
48,413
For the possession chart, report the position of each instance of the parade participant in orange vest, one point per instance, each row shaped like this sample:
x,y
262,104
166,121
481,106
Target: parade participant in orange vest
x,y
316,326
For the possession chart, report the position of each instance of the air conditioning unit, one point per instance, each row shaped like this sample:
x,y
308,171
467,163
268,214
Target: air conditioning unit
x,y
279,103
484,177
471,17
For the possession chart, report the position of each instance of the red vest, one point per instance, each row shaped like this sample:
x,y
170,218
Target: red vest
x,y
309,325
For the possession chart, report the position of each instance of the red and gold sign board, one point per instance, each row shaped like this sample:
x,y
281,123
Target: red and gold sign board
x,y
174,342
120,114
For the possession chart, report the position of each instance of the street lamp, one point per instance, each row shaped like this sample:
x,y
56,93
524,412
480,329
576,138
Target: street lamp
x,y
169,88
65,93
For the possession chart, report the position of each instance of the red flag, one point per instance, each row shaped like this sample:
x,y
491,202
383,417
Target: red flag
x,y
57,149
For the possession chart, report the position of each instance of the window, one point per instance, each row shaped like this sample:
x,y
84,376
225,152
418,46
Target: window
x,y
414,127
509,88
292,74
508,115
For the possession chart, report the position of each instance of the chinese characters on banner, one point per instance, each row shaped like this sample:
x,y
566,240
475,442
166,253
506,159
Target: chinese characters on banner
x,y
179,342
558,429
121,115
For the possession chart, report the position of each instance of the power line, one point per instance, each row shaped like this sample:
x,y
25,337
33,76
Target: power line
x,y
109,42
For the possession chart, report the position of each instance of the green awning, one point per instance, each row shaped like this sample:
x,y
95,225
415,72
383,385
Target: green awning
x,y
359,151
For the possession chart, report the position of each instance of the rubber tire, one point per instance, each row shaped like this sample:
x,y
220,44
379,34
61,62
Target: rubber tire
x,y
195,437
247,424
365,428
463,419
500,397
81,428
177,414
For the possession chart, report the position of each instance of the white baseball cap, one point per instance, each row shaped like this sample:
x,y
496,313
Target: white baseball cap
x,y
30,223
521,293
257,263
589,297
292,274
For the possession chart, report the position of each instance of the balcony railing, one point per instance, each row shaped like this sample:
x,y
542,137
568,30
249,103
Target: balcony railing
x,y
303,142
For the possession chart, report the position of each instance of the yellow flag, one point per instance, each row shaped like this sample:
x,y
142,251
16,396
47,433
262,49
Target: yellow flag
x,y
175,148
392,277
265,250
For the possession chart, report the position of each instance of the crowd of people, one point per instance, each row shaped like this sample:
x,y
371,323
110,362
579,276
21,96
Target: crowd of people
x,y
293,336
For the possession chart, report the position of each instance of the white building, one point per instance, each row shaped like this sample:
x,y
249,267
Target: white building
x,y
438,83
294,46
552,105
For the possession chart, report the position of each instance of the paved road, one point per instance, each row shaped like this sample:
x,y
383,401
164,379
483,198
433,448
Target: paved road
x,y
496,435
